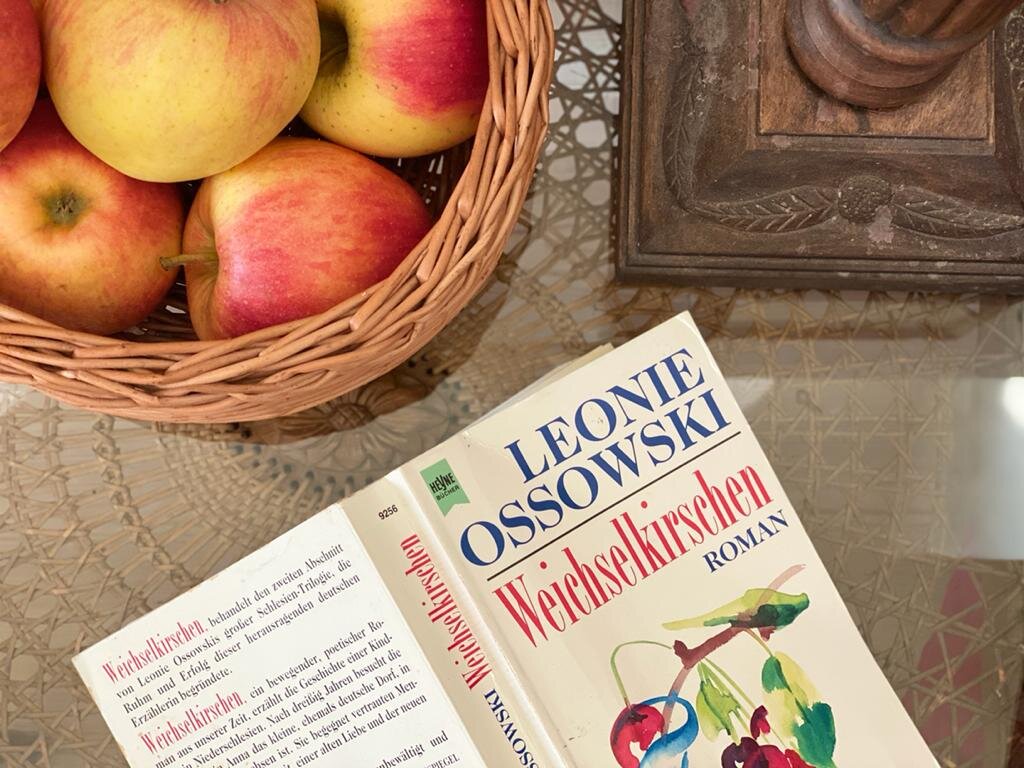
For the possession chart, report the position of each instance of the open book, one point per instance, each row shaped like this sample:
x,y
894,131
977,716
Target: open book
x,y
605,572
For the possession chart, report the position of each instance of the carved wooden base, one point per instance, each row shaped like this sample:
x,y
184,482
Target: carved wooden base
x,y
790,105
890,60
736,171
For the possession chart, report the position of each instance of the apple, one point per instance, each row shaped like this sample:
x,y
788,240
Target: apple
x,y
292,231
399,78
80,242
178,89
22,61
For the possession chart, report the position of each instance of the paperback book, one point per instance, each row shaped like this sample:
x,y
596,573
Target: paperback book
x,y
605,572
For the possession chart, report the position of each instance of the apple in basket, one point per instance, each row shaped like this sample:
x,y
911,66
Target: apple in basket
x,y
172,90
400,78
80,242
20,63
292,231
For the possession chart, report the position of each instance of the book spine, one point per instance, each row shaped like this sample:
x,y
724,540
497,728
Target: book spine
x,y
489,692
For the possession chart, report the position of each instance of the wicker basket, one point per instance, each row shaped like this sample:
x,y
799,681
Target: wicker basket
x,y
160,371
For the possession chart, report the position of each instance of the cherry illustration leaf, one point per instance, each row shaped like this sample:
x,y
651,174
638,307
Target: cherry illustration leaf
x,y
757,609
797,713
716,707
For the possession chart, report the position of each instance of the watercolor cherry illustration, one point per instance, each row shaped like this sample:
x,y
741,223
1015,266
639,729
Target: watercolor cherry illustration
x,y
748,753
805,724
637,724
640,724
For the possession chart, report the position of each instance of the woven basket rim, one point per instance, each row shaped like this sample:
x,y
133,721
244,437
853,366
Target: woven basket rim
x,y
286,368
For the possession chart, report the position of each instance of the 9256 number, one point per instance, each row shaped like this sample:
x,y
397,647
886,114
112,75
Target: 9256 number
x,y
387,512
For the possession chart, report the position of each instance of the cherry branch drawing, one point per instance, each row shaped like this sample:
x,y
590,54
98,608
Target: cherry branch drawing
x,y
804,736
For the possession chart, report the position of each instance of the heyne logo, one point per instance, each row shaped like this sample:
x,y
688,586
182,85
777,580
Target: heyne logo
x,y
444,485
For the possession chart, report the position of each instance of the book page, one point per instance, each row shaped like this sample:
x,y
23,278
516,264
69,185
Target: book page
x,y
630,545
295,656
299,655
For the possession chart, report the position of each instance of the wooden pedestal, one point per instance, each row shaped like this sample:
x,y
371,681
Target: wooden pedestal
x,y
737,171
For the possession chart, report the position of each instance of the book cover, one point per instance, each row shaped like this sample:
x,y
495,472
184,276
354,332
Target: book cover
x,y
606,572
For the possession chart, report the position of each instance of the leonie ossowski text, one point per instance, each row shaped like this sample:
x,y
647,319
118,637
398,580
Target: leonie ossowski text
x,y
578,466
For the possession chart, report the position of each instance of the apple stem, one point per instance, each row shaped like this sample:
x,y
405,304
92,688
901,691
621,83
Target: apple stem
x,y
173,262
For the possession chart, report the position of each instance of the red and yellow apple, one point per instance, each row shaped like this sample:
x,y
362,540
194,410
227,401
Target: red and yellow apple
x,y
179,89
399,78
21,63
295,229
80,242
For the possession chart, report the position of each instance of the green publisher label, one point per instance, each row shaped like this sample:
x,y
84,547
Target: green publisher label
x,y
444,485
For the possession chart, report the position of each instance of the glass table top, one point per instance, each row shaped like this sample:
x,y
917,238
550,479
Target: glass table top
x,y
895,422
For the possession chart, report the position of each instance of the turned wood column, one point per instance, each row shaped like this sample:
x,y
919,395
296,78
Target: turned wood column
x,y
886,53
